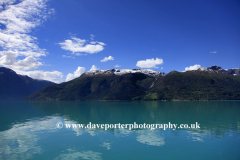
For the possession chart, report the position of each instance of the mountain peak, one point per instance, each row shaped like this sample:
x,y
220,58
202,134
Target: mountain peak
x,y
215,67
218,69
115,71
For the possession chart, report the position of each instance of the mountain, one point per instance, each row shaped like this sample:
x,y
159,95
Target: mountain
x,y
120,72
212,83
218,69
197,85
15,86
110,84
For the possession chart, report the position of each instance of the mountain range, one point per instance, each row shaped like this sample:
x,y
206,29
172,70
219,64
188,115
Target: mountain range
x,y
211,83
14,86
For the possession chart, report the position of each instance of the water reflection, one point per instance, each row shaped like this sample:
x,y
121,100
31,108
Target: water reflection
x,y
150,138
35,136
77,155
106,145
20,142
212,115
196,136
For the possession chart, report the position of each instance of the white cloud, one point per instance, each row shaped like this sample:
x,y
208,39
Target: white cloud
x,y
161,67
6,3
8,60
213,52
80,54
68,56
101,43
18,20
76,45
94,68
20,44
149,63
195,67
92,42
54,76
107,59
117,66
92,37
70,76
77,73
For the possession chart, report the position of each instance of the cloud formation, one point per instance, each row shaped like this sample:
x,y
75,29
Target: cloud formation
x,y
68,56
92,37
77,73
54,76
117,66
149,63
17,19
213,52
94,68
77,45
195,67
8,59
107,59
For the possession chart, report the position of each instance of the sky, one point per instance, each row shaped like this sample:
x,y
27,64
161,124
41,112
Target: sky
x,y
58,40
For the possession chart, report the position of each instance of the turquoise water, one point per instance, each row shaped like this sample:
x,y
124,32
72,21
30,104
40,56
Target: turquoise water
x,y
28,130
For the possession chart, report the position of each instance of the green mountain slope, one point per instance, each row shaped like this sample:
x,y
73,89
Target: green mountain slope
x,y
197,85
190,85
97,87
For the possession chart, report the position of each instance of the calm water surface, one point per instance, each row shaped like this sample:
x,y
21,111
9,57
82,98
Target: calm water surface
x,y
28,130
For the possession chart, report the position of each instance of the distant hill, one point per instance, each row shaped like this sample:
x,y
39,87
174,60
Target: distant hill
x,y
97,87
15,86
212,83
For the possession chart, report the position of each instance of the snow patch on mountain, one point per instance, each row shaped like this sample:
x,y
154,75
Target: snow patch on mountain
x,y
125,71
218,69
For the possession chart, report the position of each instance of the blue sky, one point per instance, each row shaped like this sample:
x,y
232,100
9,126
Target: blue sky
x,y
58,40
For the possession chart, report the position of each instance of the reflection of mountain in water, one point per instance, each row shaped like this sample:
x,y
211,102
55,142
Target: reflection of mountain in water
x,y
35,134
213,116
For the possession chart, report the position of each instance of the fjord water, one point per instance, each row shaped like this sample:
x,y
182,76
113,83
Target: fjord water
x,y
28,130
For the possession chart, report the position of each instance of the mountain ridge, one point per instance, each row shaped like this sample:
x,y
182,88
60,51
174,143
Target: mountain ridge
x,y
216,68
125,71
14,86
150,72
212,83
